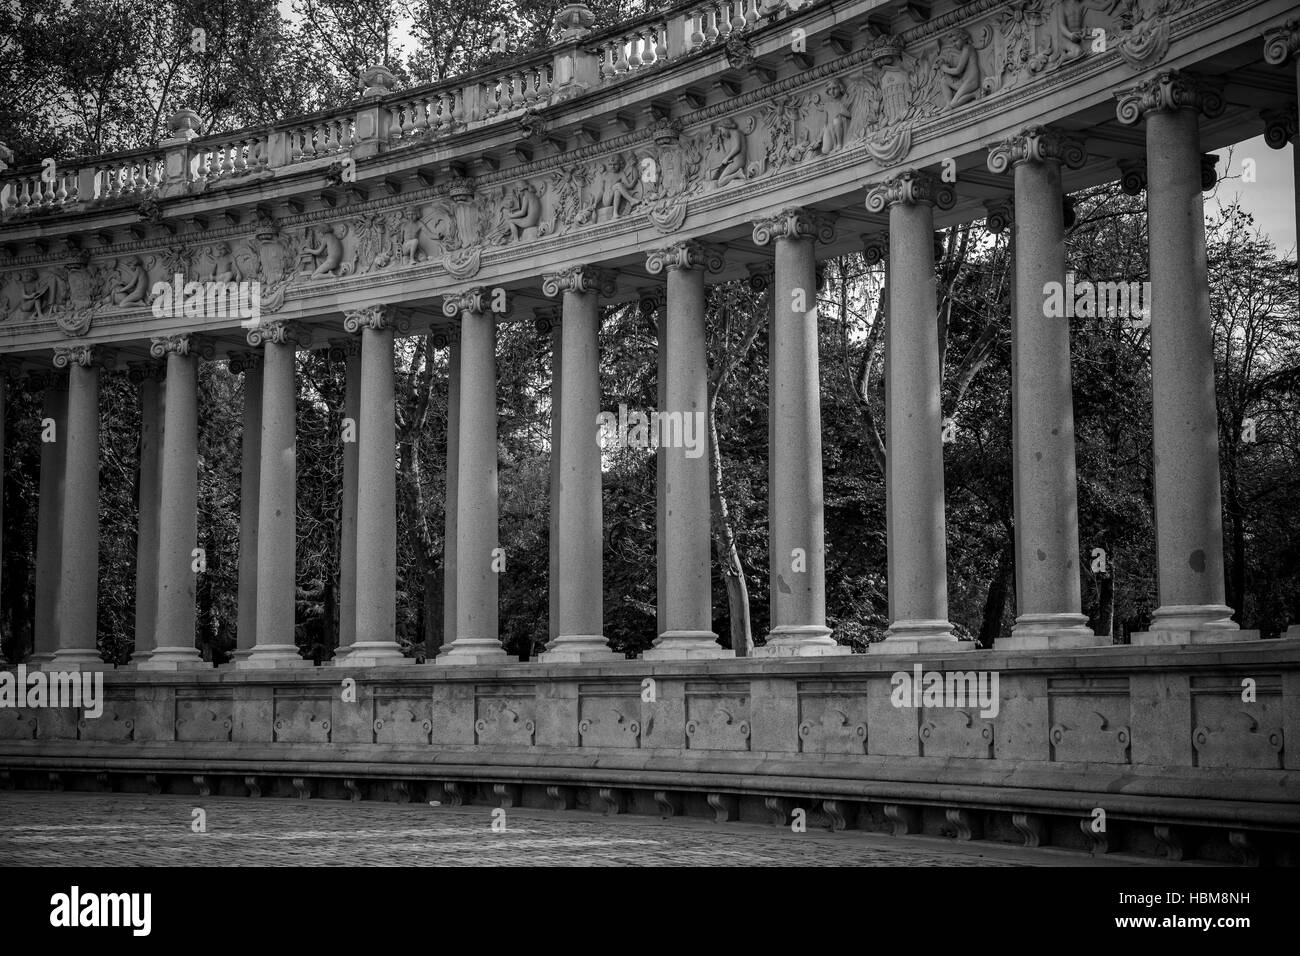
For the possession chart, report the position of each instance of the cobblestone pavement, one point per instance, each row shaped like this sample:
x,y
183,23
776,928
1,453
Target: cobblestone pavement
x,y
85,829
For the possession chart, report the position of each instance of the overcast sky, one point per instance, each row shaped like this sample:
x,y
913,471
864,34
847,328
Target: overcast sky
x,y
1271,197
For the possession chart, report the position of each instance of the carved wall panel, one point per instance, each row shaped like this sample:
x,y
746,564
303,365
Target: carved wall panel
x,y
301,715
1228,731
505,714
833,717
1089,719
716,719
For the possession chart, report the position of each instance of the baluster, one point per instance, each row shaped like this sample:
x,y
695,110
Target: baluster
x,y
23,197
661,43
634,54
61,193
697,36
737,11
530,86
141,179
724,19
544,83
607,61
711,31
621,66
458,108
227,166
751,15
242,153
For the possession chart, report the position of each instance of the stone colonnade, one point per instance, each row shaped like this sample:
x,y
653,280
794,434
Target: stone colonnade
x,y
1047,547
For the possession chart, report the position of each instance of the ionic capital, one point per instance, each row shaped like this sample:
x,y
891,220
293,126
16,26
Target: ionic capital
x,y
1282,43
239,362
1037,144
83,356
650,298
760,275
377,317
1001,213
140,372
185,344
794,222
280,332
546,319
688,254
1132,175
471,300
875,247
446,336
1279,126
913,187
1168,91
579,279
1209,175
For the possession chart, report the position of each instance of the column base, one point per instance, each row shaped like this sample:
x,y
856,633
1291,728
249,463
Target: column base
x,y
578,649
271,656
790,640
76,659
1193,617
36,660
920,637
374,654
1034,632
173,659
340,657
471,650
687,646
1292,633
1169,637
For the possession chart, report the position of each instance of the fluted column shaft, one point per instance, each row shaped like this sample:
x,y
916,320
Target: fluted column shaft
x,y
146,546
477,556
376,558
683,436
796,541
274,644
79,566
1188,507
914,499
178,511
49,517
577,499
1042,406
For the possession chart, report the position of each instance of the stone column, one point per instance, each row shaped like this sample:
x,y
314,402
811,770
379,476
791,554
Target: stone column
x,y
274,644
796,533
918,563
1281,48
577,500
250,467
655,300
477,553
79,565
1042,403
178,510
450,504
349,351
149,376
376,527
1189,513
49,514
683,422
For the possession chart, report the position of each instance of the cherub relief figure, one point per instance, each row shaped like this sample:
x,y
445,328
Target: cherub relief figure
x,y
525,212
729,148
224,267
331,247
134,288
416,238
833,104
959,69
1071,31
611,187
35,295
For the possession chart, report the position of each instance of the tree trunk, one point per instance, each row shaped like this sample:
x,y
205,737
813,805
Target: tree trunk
x,y
996,602
724,542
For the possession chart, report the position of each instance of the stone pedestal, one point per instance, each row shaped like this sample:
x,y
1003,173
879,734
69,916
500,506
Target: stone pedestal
x,y
577,499
178,513
1188,509
274,644
796,542
1042,418
687,605
376,525
477,551
918,567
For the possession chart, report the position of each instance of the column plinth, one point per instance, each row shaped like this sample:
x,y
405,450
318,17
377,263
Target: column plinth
x,y
1042,419
178,512
477,638
688,603
577,495
1188,508
273,643
376,525
797,541
918,564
